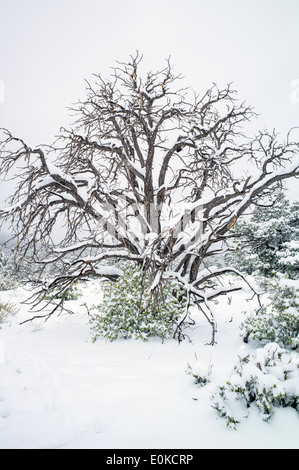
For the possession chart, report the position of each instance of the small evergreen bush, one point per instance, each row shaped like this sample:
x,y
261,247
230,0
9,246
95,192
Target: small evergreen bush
x,y
129,310
267,243
71,294
268,379
8,280
6,309
200,373
279,320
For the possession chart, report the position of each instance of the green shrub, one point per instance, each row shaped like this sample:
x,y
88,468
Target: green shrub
x,y
6,309
130,310
267,379
71,294
200,373
8,279
279,320
8,282
268,241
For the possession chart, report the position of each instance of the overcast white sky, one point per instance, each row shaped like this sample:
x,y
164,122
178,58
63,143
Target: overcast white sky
x,y
48,47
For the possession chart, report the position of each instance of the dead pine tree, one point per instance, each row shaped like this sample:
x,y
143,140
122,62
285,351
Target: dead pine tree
x,y
146,173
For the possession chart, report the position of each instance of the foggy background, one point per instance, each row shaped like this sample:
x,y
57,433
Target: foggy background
x,y
48,47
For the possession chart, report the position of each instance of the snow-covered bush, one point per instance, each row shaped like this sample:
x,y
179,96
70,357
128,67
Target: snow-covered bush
x,y
278,321
70,294
200,372
8,280
268,242
268,379
6,309
129,311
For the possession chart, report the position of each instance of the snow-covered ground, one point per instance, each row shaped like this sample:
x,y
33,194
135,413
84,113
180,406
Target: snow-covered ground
x,y
60,390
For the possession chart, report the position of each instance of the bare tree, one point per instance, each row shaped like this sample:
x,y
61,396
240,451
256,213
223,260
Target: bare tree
x,y
149,172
